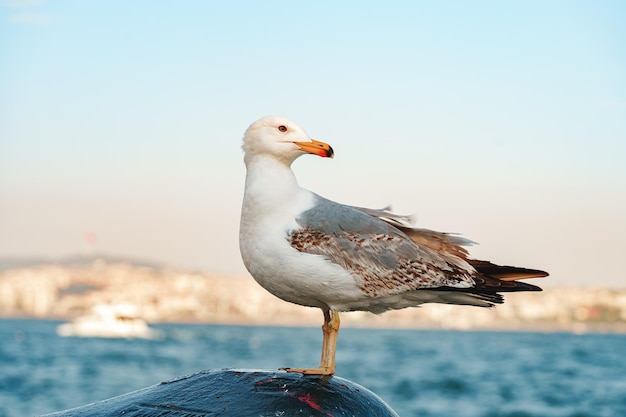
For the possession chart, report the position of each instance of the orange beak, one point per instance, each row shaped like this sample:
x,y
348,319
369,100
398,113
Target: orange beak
x,y
317,148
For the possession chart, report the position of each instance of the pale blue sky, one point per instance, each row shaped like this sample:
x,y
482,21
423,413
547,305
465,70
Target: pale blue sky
x,y
504,121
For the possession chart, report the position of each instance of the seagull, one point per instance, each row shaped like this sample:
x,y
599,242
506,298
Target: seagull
x,y
311,251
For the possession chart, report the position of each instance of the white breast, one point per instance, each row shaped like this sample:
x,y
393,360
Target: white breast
x,y
272,202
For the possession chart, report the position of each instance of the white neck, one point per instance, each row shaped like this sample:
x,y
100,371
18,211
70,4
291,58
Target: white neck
x,y
269,184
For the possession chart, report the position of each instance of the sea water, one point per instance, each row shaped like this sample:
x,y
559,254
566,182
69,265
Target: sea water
x,y
417,372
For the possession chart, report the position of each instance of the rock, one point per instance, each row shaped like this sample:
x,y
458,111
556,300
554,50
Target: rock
x,y
241,393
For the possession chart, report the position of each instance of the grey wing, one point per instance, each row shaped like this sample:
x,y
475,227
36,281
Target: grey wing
x,y
488,277
450,243
380,255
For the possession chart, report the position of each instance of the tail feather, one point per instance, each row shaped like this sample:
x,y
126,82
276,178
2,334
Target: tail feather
x,y
492,278
505,272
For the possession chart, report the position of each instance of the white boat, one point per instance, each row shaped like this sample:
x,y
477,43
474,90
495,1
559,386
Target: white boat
x,y
110,321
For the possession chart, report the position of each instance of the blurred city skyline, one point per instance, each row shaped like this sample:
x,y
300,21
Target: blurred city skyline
x,y
121,124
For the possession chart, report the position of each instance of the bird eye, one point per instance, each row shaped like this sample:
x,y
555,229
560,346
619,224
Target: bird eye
x,y
282,128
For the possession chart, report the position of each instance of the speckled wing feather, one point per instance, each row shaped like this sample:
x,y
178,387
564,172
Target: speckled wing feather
x,y
450,243
385,260
489,277
390,256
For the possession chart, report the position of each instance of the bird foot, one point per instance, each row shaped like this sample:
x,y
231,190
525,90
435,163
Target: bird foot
x,y
311,371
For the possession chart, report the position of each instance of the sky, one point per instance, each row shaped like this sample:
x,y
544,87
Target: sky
x,y
121,124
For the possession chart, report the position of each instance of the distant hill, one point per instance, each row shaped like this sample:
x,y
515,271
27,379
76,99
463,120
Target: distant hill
x,y
8,263
69,287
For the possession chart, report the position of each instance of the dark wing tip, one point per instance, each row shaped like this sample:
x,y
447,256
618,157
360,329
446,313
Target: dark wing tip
x,y
505,272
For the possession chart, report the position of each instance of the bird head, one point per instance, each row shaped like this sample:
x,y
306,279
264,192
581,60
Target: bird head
x,y
282,139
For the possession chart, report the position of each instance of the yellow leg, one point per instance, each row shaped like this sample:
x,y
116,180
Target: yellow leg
x,y
330,329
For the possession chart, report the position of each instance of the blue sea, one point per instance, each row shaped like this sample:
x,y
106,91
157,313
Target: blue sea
x,y
417,372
